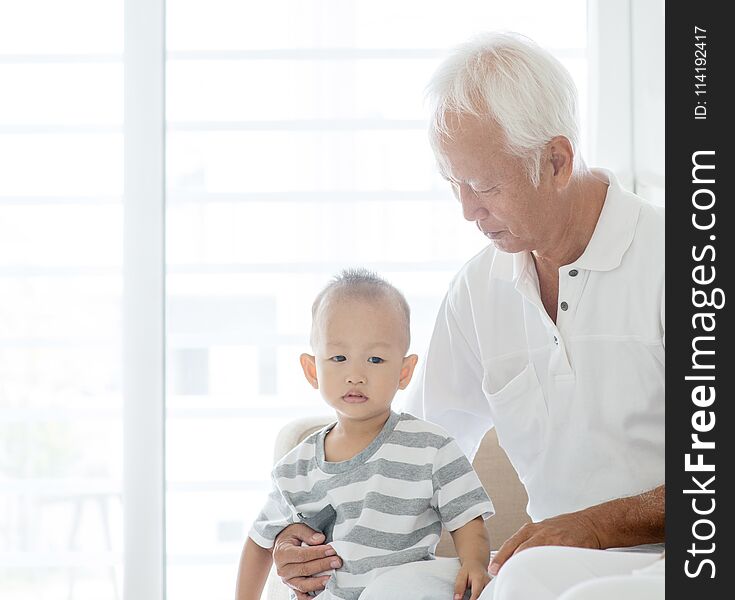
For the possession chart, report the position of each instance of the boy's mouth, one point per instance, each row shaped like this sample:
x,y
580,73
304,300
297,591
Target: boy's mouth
x,y
354,397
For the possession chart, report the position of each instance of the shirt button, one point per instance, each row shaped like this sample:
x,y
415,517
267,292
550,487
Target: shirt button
x,y
564,306
573,273
556,340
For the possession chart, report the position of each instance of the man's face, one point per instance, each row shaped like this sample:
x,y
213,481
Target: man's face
x,y
493,187
359,352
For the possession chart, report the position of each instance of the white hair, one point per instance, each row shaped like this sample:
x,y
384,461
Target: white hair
x,y
511,80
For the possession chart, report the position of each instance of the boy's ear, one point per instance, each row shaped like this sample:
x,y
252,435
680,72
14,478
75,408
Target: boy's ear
x,y
308,364
409,364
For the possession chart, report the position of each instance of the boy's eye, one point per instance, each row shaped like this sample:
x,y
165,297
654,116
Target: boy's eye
x,y
339,358
375,360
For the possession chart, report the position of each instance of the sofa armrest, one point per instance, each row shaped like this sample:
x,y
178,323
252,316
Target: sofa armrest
x,y
289,437
295,432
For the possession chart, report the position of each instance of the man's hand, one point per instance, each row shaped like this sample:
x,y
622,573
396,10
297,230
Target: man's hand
x,y
295,564
572,529
619,523
473,574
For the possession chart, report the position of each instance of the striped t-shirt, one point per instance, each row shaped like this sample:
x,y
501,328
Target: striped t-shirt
x,y
390,500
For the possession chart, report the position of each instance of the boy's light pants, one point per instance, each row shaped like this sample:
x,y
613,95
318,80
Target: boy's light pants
x,y
424,580
545,573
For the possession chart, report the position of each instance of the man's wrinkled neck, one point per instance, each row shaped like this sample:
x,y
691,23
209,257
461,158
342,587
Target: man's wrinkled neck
x,y
585,198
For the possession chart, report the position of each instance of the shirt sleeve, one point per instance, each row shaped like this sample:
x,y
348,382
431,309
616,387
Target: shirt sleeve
x,y
448,388
274,518
458,494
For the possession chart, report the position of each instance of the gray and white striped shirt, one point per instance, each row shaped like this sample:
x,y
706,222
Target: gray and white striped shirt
x,y
390,500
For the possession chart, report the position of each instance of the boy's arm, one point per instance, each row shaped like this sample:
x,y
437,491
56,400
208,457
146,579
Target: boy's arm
x,y
472,542
255,564
473,549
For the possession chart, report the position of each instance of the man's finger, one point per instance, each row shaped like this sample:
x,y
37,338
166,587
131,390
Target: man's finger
x,y
293,570
508,548
296,533
530,543
286,554
304,585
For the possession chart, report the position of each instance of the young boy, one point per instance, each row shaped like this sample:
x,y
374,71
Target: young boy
x,y
377,484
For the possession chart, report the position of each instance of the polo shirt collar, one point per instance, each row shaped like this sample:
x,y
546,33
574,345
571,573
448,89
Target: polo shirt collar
x,y
610,240
614,231
509,267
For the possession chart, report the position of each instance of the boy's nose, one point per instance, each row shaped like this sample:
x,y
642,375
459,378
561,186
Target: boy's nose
x,y
354,379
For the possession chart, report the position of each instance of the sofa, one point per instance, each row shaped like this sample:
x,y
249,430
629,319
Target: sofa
x,y
491,463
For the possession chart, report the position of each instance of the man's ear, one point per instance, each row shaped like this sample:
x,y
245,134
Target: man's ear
x,y
308,364
562,160
409,364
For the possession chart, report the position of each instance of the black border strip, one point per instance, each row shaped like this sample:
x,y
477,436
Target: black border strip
x,y
699,263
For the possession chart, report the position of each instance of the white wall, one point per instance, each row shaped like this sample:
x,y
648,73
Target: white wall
x,y
626,79
648,98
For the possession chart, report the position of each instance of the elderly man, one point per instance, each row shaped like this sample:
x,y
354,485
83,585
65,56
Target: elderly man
x,y
554,334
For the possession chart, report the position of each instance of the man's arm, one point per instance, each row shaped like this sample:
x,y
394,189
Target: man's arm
x,y
615,524
473,549
451,369
255,562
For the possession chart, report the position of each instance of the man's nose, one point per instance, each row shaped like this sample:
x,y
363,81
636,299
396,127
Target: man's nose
x,y
472,208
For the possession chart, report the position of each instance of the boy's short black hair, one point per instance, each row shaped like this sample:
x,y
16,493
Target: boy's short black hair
x,y
362,283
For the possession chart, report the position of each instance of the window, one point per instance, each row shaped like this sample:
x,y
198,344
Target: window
x,y
60,299
295,146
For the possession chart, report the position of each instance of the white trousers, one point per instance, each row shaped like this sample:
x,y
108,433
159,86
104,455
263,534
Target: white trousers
x,y
545,573
424,580
562,573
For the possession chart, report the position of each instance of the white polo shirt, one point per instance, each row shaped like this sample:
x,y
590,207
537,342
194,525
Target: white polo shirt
x,y
578,405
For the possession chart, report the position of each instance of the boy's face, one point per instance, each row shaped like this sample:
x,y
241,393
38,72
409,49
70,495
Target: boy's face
x,y
359,362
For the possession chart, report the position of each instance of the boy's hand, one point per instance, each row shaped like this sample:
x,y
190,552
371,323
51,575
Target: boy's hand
x,y
473,575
